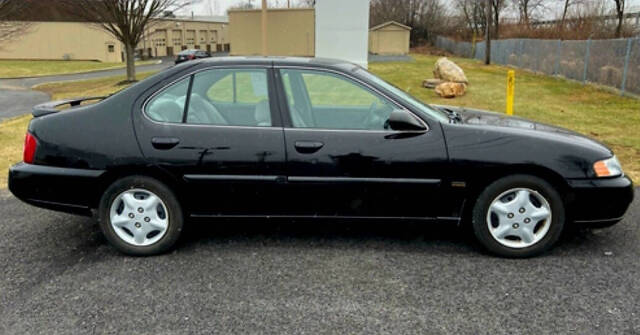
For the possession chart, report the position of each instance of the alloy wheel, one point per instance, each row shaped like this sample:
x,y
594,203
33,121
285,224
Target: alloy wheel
x,y
519,218
139,217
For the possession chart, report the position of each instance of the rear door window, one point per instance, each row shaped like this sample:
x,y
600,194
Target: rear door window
x,y
235,97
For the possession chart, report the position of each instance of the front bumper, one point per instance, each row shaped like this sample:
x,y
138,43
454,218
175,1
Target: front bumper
x,y
62,189
599,202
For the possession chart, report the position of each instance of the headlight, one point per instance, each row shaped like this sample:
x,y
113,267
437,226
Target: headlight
x,y
608,167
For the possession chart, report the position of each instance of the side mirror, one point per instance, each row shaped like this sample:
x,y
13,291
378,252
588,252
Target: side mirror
x,y
404,121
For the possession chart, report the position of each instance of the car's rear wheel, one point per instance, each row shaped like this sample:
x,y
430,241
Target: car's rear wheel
x,y
518,216
140,216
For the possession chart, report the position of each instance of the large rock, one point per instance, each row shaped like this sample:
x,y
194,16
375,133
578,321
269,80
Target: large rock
x,y
449,71
451,89
431,83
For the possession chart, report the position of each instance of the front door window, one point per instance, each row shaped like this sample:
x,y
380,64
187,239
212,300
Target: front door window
x,y
318,99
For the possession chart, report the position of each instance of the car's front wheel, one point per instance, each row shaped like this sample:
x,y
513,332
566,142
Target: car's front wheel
x,y
140,216
518,216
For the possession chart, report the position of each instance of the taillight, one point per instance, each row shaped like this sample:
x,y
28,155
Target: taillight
x,y
192,56
30,145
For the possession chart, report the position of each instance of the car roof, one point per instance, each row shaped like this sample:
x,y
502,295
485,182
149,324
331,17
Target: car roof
x,y
282,61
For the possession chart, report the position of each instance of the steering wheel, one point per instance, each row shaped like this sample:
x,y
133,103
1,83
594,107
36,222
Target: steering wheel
x,y
368,118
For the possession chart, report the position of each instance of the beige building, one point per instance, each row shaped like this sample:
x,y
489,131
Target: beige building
x,y
290,32
85,41
63,41
167,37
389,38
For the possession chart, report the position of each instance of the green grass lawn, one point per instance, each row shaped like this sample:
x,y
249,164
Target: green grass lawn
x,y
607,117
12,131
29,68
85,88
589,110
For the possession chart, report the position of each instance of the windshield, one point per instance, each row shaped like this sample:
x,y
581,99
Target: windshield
x,y
414,102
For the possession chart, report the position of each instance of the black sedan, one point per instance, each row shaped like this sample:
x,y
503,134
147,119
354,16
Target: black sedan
x,y
191,54
309,138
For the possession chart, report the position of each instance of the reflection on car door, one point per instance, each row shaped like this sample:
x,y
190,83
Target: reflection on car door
x,y
232,158
342,160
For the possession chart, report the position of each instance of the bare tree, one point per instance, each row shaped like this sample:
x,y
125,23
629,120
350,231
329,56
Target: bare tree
x,y
9,28
426,17
565,8
567,4
620,15
126,20
498,7
526,9
474,14
487,36
10,7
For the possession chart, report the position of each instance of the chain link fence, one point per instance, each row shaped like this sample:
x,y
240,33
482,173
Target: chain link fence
x,y
614,63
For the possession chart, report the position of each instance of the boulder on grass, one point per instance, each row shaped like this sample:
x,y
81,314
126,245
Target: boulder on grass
x,y
451,90
431,83
449,71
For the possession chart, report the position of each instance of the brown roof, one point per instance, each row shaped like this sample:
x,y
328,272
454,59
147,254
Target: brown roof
x,y
390,23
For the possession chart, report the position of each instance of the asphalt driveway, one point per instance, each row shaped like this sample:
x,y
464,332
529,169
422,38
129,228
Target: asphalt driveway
x,y
17,97
337,277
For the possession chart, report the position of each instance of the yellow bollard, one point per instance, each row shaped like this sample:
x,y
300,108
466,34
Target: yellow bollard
x,y
511,85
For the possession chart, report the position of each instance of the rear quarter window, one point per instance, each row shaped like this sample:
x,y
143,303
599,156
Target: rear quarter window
x,y
168,105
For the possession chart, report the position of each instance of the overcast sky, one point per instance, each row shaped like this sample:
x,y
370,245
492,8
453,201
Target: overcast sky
x,y
219,7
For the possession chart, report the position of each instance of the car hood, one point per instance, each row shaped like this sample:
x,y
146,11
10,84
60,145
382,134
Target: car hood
x,y
479,117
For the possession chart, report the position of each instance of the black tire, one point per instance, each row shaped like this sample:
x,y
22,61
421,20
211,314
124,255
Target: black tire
x,y
491,192
175,217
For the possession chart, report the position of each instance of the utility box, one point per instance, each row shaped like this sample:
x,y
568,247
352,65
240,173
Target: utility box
x,y
342,30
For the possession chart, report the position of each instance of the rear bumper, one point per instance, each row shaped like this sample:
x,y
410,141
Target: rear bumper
x,y
62,189
599,202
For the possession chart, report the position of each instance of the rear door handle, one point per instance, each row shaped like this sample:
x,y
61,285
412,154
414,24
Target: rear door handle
x,y
164,143
307,147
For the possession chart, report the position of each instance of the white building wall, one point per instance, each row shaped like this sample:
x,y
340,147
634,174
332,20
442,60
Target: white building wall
x,y
342,30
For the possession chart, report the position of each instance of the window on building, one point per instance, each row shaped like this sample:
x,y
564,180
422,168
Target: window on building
x,y
111,48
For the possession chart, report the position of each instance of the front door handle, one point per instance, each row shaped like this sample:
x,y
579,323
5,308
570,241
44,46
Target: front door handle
x,y
307,147
164,143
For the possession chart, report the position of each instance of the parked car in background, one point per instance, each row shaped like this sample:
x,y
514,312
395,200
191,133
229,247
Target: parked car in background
x,y
191,54
313,138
